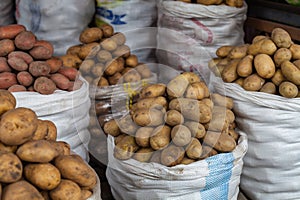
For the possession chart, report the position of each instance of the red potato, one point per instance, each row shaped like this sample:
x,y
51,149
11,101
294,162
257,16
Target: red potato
x,y
21,54
60,81
44,85
25,40
55,64
25,78
70,72
7,79
17,88
74,85
17,64
39,68
6,46
42,50
11,31
4,67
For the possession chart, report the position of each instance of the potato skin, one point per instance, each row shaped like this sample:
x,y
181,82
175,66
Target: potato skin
x,y
281,38
173,117
44,85
253,82
264,66
288,89
7,79
11,31
245,67
66,190
142,136
160,137
268,87
8,101
45,176
61,81
125,148
21,190
181,135
220,141
6,46
153,90
17,126
143,154
172,155
11,168
177,86
25,78
89,35
194,149
148,117
291,72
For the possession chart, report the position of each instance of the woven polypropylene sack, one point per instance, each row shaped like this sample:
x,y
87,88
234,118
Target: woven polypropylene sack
x,y
69,111
272,163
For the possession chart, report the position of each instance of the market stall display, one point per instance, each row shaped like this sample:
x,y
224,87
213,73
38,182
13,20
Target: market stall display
x,y
34,164
234,3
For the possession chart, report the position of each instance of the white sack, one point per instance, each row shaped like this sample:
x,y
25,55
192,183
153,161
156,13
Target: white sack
x,y
69,111
7,10
57,21
272,163
189,34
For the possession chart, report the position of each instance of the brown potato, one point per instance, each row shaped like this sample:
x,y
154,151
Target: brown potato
x,y
131,61
62,147
160,137
109,44
155,157
245,66
282,54
52,131
152,102
221,100
258,37
172,155
264,66
41,130
7,148
229,73
107,30
103,82
220,141
153,90
194,149
207,151
8,101
223,51
235,3
191,77
143,154
85,194
181,135
88,50
74,168
17,126
295,50
90,34
37,151
173,118
119,38
263,46
233,134
142,136
253,82
288,89
86,66
115,79
71,60
197,130
122,51
104,56
291,72
278,77
148,117
74,50
45,176
125,148
112,67
177,86
112,128
127,125
143,70
187,161
131,76
197,90
208,102
281,38
11,168
66,190
21,190
239,81
268,87
238,51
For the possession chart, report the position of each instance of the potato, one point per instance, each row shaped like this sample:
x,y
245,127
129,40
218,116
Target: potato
x,y
223,51
42,50
71,60
17,88
297,63
197,130
107,30
160,137
258,37
7,148
268,87
4,67
44,85
55,63
152,102
45,195
209,2
229,73
85,194
173,118
132,76
148,117
45,176
207,151
155,157
17,126
109,44
17,64
127,125
253,82
143,70
121,51
41,130
21,190
291,72
278,77
69,72
103,82
263,46
119,38
142,136
239,81
104,56
52,131
264,66
245,66
295,50
11,168
88,50
25,40
40,151
6,46
97,70
8,101
238,52
221,100
143,154
233,134
281,38
197,90
131,61
91,34
119,138
111,127
125,148
25,78
39,68
220,141
172,155
62,147
7,79
208,102
22,55
194,149
177,86
288,89
74,168
66,190
153,90
181,135
282,54
11,31
61,81
235,3
74,50
114,79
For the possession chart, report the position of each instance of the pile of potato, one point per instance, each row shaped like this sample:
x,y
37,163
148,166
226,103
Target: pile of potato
x,y
104,59
233,3
270,64
33,164
28,64
175,123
